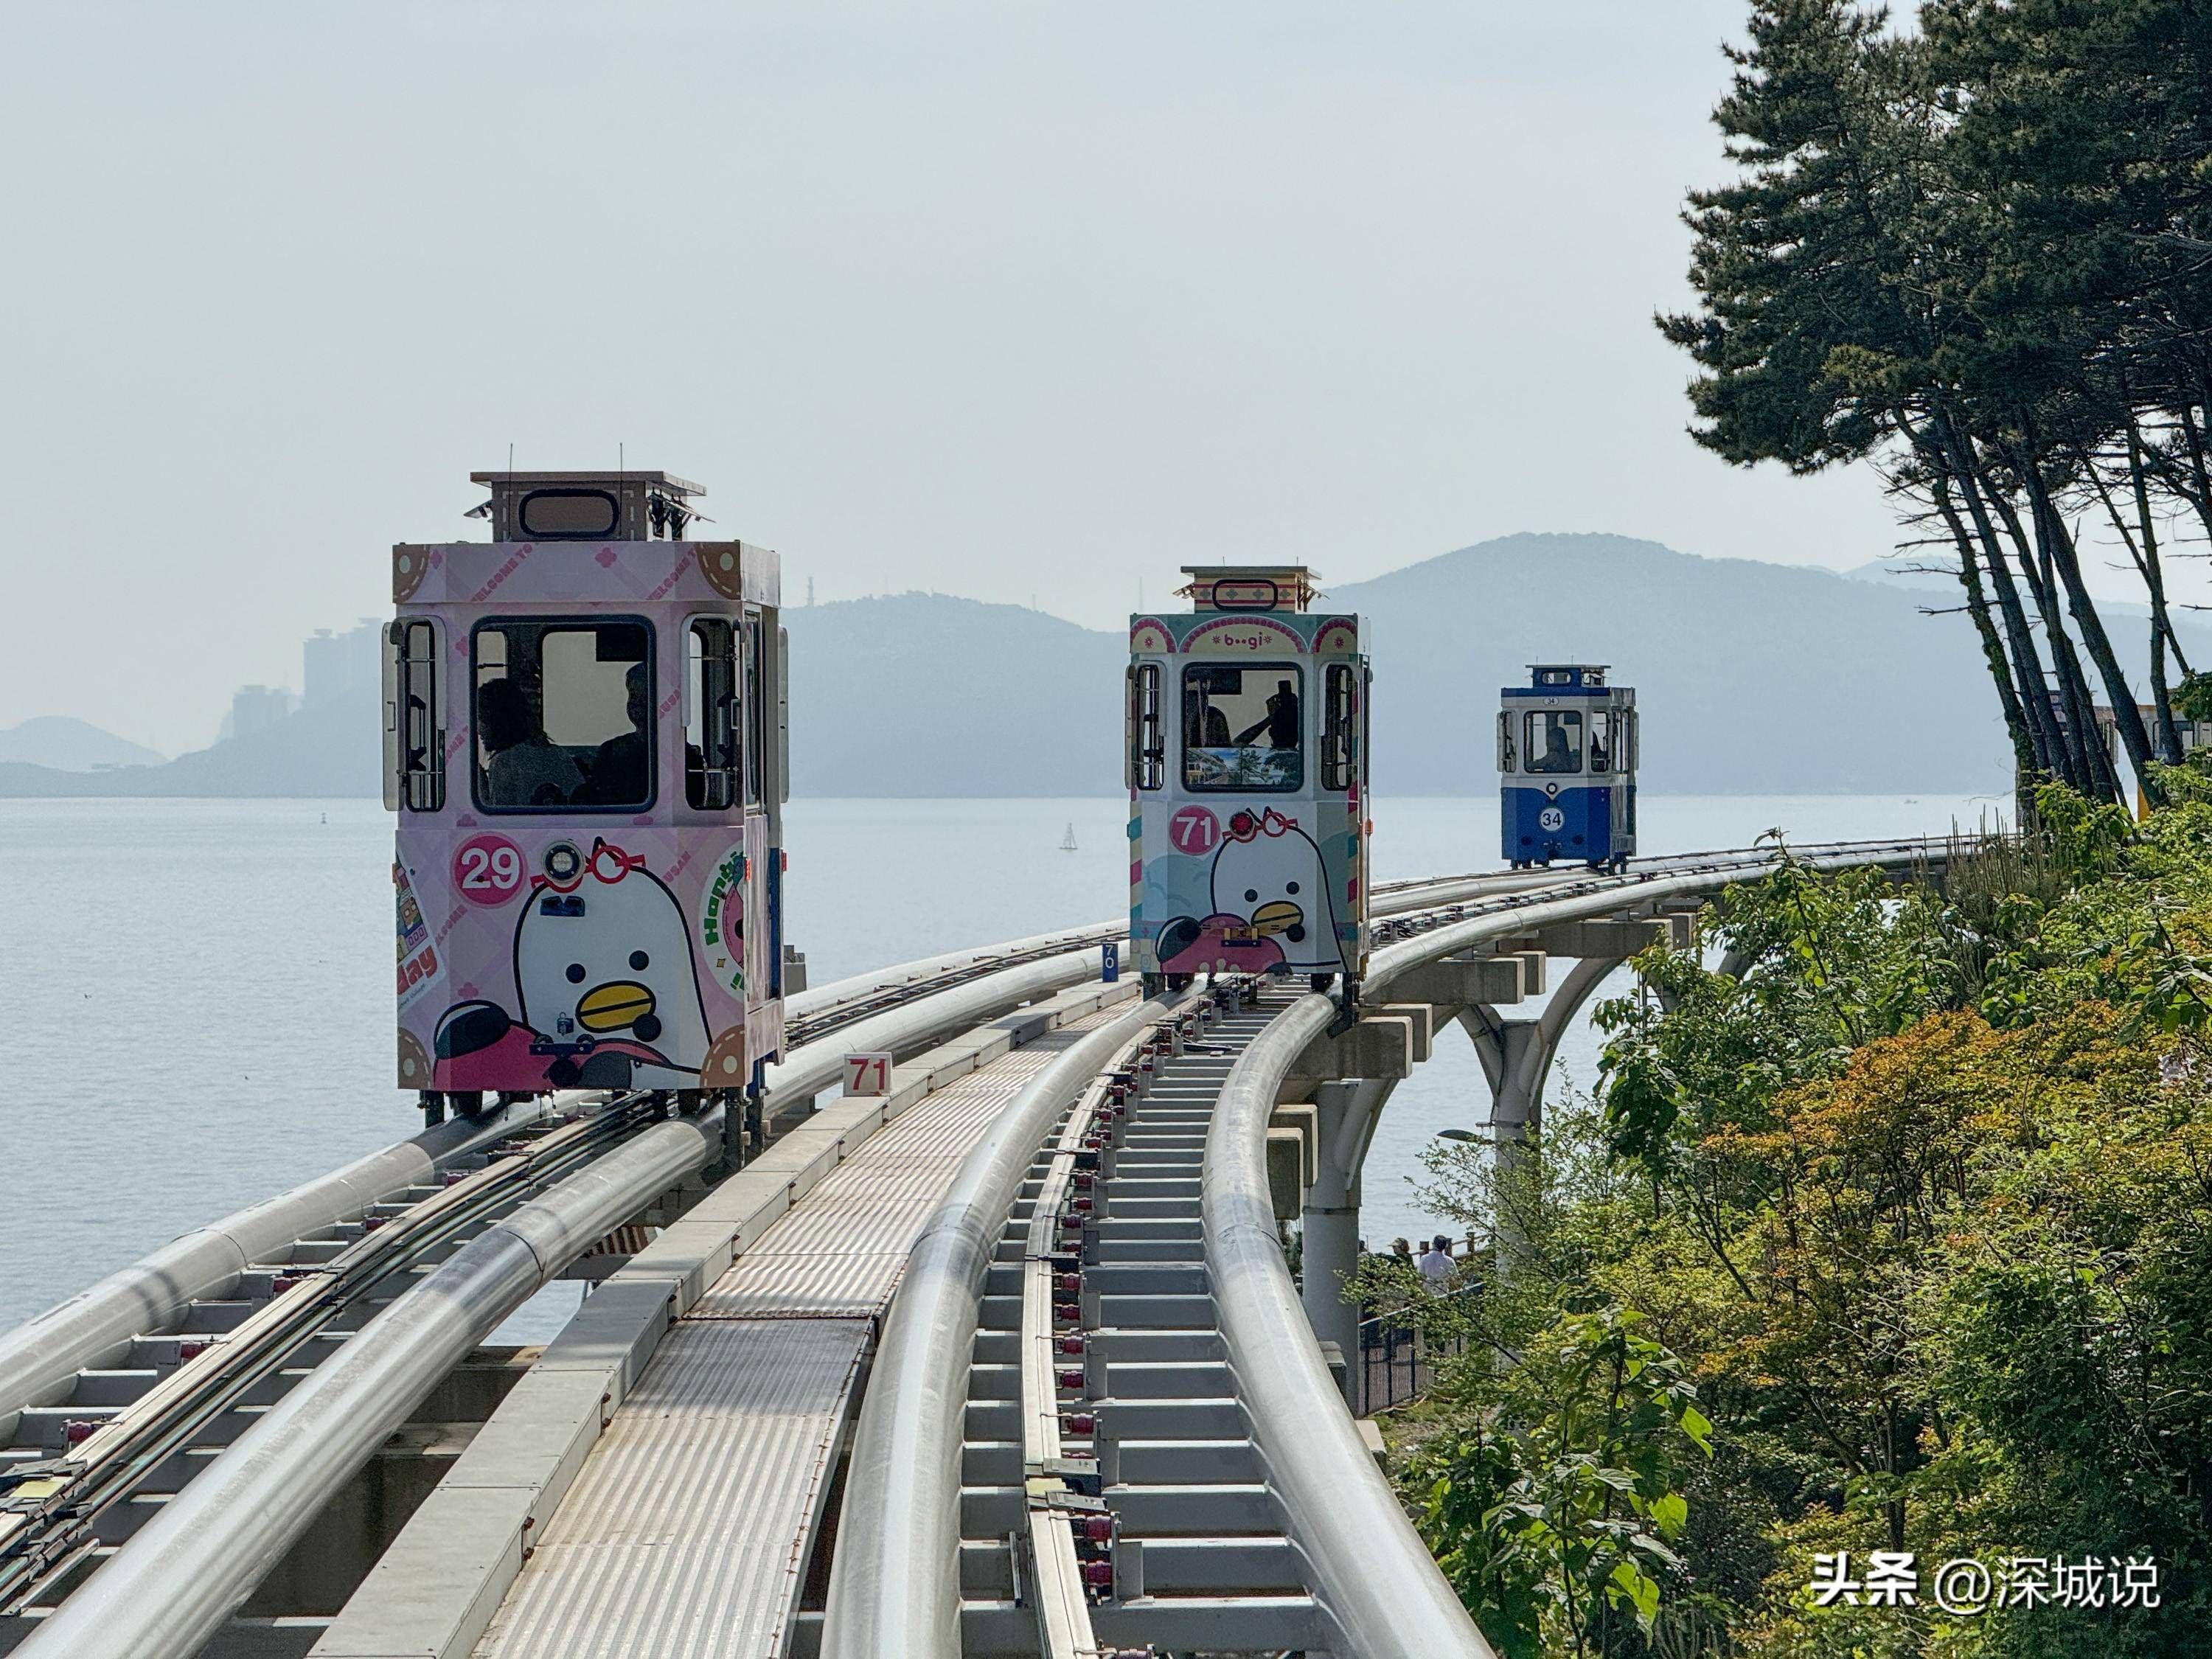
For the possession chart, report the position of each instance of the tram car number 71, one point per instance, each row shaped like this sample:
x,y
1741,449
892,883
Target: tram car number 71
x,y
1247,768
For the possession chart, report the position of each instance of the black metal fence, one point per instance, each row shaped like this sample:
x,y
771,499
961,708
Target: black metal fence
x,y
1398,1351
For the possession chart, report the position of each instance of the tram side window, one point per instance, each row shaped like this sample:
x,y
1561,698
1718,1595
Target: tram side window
x,y
1337,728
420,717
713,762
1242,727
1602,750
564,715
1148,743
755,715
1551,740
1504,742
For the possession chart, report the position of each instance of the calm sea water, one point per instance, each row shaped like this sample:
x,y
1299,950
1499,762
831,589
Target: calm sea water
x,y
196,996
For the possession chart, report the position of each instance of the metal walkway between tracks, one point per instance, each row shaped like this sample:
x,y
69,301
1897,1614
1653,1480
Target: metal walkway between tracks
x,y
656,1482
689,1526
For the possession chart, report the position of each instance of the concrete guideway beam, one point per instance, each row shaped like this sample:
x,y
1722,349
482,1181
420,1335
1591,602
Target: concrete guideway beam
x,y
1464,981
1384,1041
1612,940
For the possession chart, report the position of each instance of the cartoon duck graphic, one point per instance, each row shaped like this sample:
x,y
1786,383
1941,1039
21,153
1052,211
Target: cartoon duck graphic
x,y
608,993
1271,904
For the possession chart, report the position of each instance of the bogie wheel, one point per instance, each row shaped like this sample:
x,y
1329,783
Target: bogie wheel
x,y
1179,982
1321,981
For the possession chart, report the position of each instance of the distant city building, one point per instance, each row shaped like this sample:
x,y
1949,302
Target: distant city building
x,y
256,708
338,666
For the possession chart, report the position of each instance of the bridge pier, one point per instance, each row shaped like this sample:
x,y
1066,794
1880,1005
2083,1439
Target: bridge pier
x,y
1346,1110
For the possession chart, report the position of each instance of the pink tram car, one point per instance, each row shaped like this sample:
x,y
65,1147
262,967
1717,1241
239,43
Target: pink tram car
x,y
586,740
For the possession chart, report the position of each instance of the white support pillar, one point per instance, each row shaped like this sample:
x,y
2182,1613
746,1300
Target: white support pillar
x,y
1345,1111
1525,1050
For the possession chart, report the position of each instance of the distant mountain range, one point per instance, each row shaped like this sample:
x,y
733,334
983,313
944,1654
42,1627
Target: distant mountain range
x,y
1752,678
66,745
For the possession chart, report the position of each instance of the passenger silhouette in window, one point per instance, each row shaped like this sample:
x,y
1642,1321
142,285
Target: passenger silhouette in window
x,y
525,768
1280,722
621,771
1204,727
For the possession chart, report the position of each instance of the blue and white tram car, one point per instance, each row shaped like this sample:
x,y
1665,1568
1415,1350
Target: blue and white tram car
x,y
1567,752
584,743
1247,768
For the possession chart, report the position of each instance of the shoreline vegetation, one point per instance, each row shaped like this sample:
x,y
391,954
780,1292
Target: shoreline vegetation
x,y
1900,1242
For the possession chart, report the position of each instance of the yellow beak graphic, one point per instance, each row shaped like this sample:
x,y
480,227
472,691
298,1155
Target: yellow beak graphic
x,y
612,1007
1278,916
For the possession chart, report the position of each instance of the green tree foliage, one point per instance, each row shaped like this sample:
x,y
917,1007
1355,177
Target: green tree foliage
x,y
1897,1239
1977,253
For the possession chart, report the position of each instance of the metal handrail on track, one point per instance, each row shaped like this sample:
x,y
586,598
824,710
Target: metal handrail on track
x,y
173,1585
178,1578
1374,1575
55,1505
893,1579
893,1586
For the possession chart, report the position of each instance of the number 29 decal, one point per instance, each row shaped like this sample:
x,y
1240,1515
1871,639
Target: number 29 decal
x,y
488,869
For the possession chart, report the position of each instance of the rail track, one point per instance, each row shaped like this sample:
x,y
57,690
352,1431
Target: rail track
x,y
1146,1453
87,1470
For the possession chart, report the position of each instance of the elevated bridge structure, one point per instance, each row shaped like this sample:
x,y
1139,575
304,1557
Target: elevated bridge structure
x,y
1005,1360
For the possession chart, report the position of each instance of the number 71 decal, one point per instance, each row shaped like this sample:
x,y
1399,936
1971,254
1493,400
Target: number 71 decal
x,y
868,1074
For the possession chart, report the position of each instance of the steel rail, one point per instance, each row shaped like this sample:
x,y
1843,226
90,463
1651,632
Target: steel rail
x,y
970,1000
818,1013
174,1584
1374,1576
52,1507
1054,1502
893,1579
45,1353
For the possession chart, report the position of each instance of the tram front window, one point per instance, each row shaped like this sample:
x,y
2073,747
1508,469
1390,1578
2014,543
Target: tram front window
x,y
1551,740
564,715
1243,727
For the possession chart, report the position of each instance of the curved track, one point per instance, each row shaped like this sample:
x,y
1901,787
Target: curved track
x,y
212,1333
1148,1452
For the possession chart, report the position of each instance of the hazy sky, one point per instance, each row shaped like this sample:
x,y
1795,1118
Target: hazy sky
x,y
992,298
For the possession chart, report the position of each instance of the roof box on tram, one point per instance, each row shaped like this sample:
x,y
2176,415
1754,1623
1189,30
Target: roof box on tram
x,y
1249,588
587,507
1567,675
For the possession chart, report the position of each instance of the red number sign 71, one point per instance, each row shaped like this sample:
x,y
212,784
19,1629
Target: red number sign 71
x,y
868,1074
1194,830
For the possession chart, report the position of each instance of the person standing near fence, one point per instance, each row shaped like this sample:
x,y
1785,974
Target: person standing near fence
x,y
1436,1262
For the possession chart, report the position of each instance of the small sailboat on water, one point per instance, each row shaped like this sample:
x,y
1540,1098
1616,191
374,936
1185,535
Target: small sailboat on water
x,y
1067,842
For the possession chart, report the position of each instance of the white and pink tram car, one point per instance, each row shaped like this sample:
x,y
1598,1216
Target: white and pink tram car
x,y
586,743
1247,768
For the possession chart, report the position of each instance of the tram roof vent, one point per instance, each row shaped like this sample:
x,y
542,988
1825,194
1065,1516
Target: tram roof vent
x,y
588,507
1249,586
1580,676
